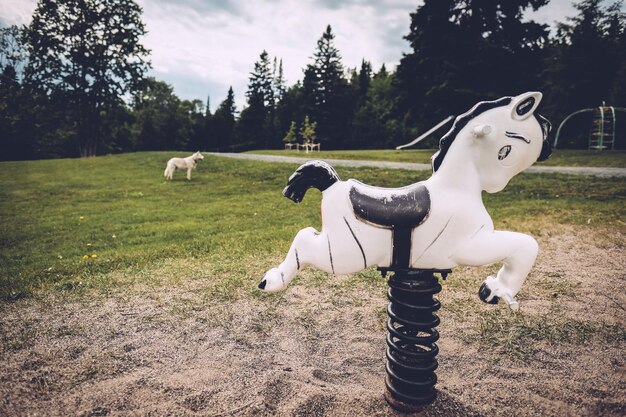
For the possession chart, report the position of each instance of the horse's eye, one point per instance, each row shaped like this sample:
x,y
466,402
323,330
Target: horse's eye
x,y
514,135
504,152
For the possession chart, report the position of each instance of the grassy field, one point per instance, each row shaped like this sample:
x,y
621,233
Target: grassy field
x,y
560,157
76,224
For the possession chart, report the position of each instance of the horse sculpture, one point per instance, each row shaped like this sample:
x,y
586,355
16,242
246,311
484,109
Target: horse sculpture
x,y
439,223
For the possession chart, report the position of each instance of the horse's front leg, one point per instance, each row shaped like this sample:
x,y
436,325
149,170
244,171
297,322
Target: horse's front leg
x,y
189,173
517,252
308,248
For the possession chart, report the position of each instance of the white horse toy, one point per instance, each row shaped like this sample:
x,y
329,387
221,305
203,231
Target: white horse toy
x,y
442,221
187,163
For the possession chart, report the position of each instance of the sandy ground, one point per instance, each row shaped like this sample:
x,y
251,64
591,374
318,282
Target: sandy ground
x,y
313,352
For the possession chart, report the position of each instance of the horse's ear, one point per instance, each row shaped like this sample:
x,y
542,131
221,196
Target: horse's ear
x,y
524,105
481,130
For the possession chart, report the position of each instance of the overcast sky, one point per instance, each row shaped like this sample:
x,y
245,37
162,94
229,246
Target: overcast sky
x,y
202,47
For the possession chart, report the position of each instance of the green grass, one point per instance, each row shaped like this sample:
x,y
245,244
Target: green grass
x,y
560,157
229,224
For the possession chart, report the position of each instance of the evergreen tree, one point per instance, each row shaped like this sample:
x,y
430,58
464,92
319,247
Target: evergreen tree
x,y
309,91
261,83
87,52
208,125
327,92
279,81
256,125
223,125
365,76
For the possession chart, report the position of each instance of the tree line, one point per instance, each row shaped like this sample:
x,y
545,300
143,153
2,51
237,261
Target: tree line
x,y
73,82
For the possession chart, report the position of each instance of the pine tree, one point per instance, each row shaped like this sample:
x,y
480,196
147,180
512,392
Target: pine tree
x,y
309,90
223,123
208,124
327,93
365,77
256,126
207,107
261,83
279,81
327,67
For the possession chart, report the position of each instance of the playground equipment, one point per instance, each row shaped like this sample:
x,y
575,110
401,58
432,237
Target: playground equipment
x,y
425,135
603,128
423,229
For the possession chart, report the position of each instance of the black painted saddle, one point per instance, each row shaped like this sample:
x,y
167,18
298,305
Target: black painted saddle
x,y
398,209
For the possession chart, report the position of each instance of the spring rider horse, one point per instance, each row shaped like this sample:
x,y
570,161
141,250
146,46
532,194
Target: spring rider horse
x,y
425,228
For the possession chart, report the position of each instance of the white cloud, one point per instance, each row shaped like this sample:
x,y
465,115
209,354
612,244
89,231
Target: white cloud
x,y
16,12
220,45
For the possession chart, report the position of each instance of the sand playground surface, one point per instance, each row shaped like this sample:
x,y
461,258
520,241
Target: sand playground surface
x,y
318,350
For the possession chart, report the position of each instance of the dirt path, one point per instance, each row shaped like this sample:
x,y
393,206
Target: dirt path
x,y
319,349
595,171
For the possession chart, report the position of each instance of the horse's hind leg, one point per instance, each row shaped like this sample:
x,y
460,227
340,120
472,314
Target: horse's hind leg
x,y
308,248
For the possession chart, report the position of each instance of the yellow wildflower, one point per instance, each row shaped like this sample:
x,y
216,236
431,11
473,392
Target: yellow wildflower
x,y
85,257
94,256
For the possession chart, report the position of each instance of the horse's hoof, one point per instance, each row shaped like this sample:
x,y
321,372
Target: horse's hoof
x,y
262,284
484,292
511,302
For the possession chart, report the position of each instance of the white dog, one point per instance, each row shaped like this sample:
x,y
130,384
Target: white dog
x,y
188,163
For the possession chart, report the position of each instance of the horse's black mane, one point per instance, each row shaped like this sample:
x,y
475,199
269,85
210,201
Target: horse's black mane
x,y
460,122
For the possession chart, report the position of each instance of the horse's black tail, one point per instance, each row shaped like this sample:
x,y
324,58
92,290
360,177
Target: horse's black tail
x,y
311,174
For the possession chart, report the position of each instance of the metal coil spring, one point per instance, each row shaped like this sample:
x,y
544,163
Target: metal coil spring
x,y
411,347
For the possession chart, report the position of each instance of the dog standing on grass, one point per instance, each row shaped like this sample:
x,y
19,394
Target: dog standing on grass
x,y
188,163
